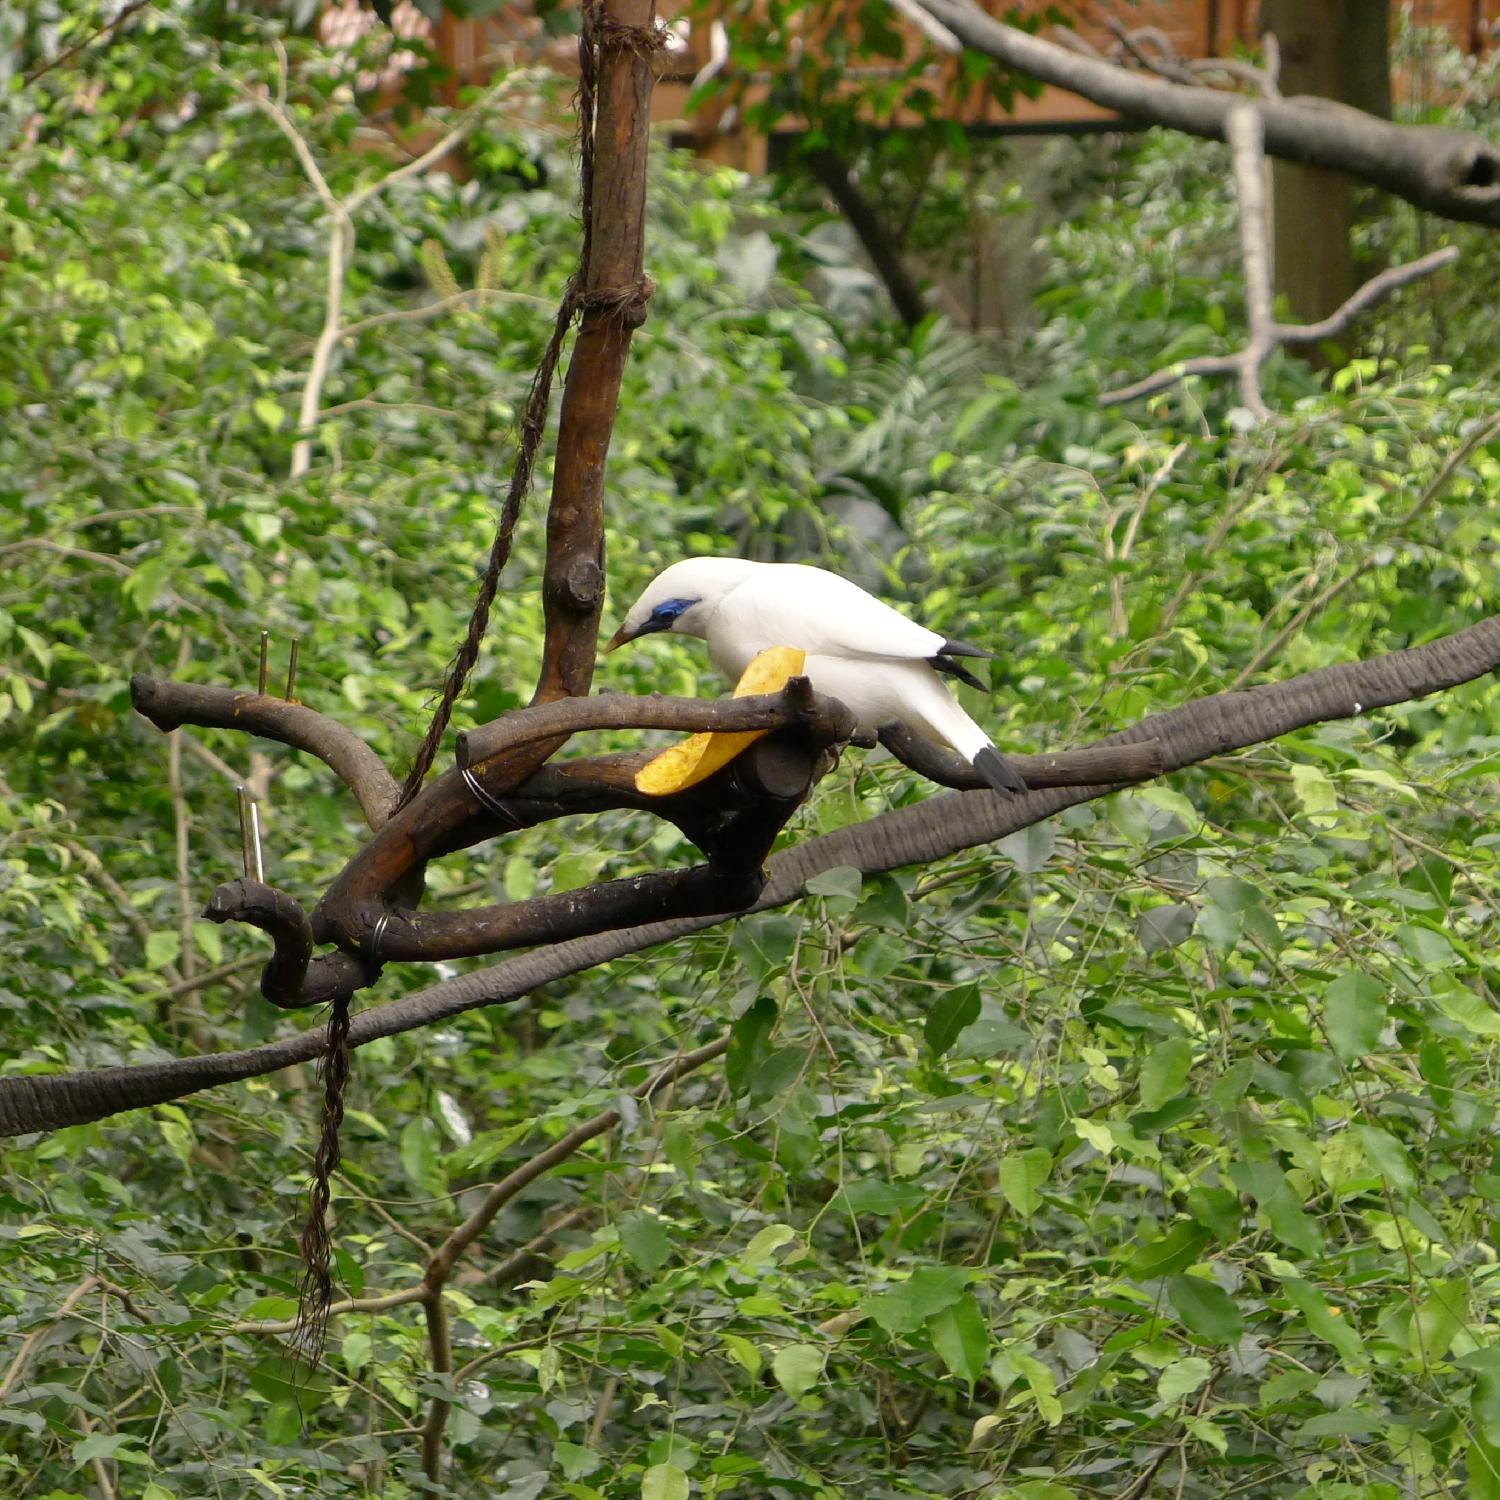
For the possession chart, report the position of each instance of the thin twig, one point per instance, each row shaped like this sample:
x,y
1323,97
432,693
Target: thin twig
x,y
65,1309
436,309
1118,624
107,29
186,907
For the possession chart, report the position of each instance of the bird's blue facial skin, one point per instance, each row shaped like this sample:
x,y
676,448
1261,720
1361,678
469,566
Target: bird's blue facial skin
x,y
665,613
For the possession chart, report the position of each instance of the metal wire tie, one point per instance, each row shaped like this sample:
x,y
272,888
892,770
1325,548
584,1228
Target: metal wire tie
x,y
487,799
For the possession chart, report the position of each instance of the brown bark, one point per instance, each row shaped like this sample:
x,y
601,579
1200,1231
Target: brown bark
x,y
1329,49
614,297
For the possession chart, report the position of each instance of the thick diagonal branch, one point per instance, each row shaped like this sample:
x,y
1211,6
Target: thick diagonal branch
x,y
1447,172
910,835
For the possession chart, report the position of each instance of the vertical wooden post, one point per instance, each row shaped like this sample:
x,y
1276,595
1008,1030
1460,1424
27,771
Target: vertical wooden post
x,y
614,296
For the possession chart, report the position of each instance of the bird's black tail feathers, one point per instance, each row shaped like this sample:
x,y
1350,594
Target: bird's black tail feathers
x,y
998,771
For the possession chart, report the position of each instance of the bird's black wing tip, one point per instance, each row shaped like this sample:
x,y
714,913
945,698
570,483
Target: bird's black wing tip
x,y
998,771
963,648
950,668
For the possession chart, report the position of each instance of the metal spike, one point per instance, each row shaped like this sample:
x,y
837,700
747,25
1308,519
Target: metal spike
x,y
260,868
291,673
265,655
246,860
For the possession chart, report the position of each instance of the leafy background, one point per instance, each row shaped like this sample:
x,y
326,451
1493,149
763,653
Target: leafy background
x,y
1152,1154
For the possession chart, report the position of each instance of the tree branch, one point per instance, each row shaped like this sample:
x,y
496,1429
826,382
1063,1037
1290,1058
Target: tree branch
x,y
1447,172
1246,363
918,834
614,294
170,705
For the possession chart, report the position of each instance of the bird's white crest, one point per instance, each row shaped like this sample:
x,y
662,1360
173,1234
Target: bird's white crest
x,y
859,650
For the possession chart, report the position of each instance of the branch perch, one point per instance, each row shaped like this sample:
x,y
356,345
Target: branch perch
x,y
922,833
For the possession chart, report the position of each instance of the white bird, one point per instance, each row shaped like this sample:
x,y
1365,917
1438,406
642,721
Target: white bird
x,y
875,661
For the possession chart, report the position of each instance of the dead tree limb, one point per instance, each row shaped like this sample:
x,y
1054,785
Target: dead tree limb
x,y
917,834
1266,334
1448,172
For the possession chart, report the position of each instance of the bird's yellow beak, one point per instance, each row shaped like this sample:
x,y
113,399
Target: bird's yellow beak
x,y
617,639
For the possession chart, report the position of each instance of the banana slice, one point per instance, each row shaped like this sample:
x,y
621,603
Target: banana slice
x,y
696,759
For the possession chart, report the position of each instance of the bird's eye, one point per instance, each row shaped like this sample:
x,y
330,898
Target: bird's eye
x,y
667,611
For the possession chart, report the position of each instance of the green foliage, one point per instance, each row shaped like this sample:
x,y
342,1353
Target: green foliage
x,y
1158,1143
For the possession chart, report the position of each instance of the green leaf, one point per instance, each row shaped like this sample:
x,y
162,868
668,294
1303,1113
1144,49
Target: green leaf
x,y
798,1368
765,1243
1021,1175
1468,1010
1164,1071
269,412
162,948
837,880
743,1352
1180,1246
749,1044
1268,1185
282,1425
1314,790
1327,1322
872,1195
1386,1154
99,1445
1181,1378
419,1155
906,1306
1205,1309
1482,1457
1040,1381
575,1460
1484,1399
664,1482
644,1239
949,1015
1354,1014
1438,1319
961,1338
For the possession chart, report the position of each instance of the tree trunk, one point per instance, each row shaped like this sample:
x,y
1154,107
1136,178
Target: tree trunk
x,y
885,254
1335,49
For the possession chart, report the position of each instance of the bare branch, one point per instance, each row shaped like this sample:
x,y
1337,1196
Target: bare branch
x,y
1246,363
436,309
793,704
1448,172
1365,297
169,705
1116,765
383,1303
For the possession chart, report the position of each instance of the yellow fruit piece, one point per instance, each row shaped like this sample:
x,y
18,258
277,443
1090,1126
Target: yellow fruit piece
x,y
696,759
